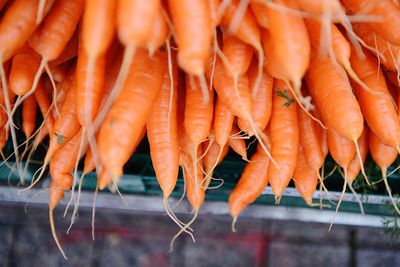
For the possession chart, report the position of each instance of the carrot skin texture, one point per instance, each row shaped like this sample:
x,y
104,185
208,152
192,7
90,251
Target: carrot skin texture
x,y
129,112
378,110
162,133
284,134
24,65
222,124
305,176
252,182
192,21
335,100
341,149
16,26
29,115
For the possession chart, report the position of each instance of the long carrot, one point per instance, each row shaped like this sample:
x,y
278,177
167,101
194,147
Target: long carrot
x,y
284,133
129,113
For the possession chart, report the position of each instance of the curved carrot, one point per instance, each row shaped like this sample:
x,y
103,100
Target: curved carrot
x,y
252,182
284,134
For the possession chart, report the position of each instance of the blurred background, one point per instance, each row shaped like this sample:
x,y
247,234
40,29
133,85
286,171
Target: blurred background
x,y
138,238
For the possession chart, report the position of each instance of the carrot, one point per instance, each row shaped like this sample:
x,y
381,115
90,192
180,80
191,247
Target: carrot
x,y
29,116
192,21
70,51
338,106
49,41
252,182
321,7
237,143
222,124
238,56
259,10
384,156
284,133
98,15
162,133
378,110
246,30
261,103
159,33
129,113
198,114
24,66
236,98
44,105
16,26
387,11
213,157
60,71
305,176
287,47
385,51
214,15
354,167
61,166
311,142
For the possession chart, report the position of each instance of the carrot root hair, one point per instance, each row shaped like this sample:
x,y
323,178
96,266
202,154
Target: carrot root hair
x,y
389,190
171,246
361,162
340,199
54,233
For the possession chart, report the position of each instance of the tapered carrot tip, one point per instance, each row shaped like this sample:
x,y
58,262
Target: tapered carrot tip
x,y
308,199
278,199
191,65
55,197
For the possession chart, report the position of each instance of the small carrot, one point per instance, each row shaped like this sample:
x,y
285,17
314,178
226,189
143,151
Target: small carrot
x,y
29,116
252,182
305,177
237,143
43,101
222,124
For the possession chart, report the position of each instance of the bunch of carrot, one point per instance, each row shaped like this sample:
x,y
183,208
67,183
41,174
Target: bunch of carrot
x,y
304,78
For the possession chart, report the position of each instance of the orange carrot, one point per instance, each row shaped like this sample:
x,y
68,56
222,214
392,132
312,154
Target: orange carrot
x,y
286,46
29,116
162,133
24,66
378,110
334,99
386,10
129,113
159,33
192,21
223,121
354,167
214,156
259,10
384,156
284,133
237,143
252,182
43,101
261,102
305,176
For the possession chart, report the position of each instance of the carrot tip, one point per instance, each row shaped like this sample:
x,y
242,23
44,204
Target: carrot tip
x,y
234,224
